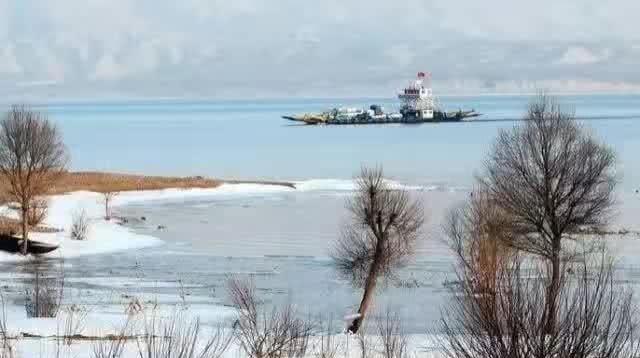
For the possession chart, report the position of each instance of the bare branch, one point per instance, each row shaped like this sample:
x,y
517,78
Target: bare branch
x,y
384,228
478,233
595,317
552,178
275,334
392,335
107,198
79,225
32,158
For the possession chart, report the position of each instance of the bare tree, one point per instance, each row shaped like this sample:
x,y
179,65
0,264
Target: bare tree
x,y
32,158
261,334
478,235
392,335
107,198
596,316
385,225
178,337
552,178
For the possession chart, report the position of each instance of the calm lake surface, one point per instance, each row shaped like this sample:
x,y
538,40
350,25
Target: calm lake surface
x,y
248,139
283,238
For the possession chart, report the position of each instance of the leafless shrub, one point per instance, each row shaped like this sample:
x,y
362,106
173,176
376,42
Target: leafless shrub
x,y
32,158
79,225
275,334
38,210
107,198
364,344
45,296
114,346
552,178
392,336
178,338
329,345
7,350
478,233
381,236
595,318
74,322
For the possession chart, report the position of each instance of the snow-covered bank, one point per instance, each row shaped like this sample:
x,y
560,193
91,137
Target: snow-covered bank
x,y
108,236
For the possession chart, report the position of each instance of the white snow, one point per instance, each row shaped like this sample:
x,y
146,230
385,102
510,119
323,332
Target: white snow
x,y
350,185
107,236
104,236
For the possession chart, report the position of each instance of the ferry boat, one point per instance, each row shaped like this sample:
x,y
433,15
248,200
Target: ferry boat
x,y
417,106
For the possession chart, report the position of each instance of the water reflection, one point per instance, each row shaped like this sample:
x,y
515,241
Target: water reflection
x,y
44,286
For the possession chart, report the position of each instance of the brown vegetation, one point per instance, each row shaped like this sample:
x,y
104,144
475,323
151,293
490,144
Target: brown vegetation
x,y
108,184
32,157
478,235
37,212
595,317
552,177
384,228
10,226
113,182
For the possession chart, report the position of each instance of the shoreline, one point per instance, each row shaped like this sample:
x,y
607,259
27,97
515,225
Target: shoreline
x,y
102,182
111,236
112,182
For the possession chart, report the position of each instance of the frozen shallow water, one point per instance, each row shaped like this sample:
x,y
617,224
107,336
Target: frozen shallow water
x,y
281,238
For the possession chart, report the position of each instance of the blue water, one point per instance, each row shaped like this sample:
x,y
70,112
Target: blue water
x,y
284,238
249,140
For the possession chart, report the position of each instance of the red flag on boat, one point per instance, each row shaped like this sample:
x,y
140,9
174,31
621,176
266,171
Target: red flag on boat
x,y
421,74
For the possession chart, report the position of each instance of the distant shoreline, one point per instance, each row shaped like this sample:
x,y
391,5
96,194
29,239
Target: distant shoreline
x,y
102,182
262,182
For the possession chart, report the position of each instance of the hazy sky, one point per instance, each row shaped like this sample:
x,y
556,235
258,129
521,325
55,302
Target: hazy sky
x,y
77,48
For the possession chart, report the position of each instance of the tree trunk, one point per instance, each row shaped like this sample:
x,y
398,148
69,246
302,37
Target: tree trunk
x,y
107,216
554,289
367,298
25,229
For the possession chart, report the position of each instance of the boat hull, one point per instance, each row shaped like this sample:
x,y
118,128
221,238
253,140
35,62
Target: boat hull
x,y
405,118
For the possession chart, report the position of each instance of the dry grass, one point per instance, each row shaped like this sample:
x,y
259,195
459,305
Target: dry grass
x,y
113,182
104,182
263,334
